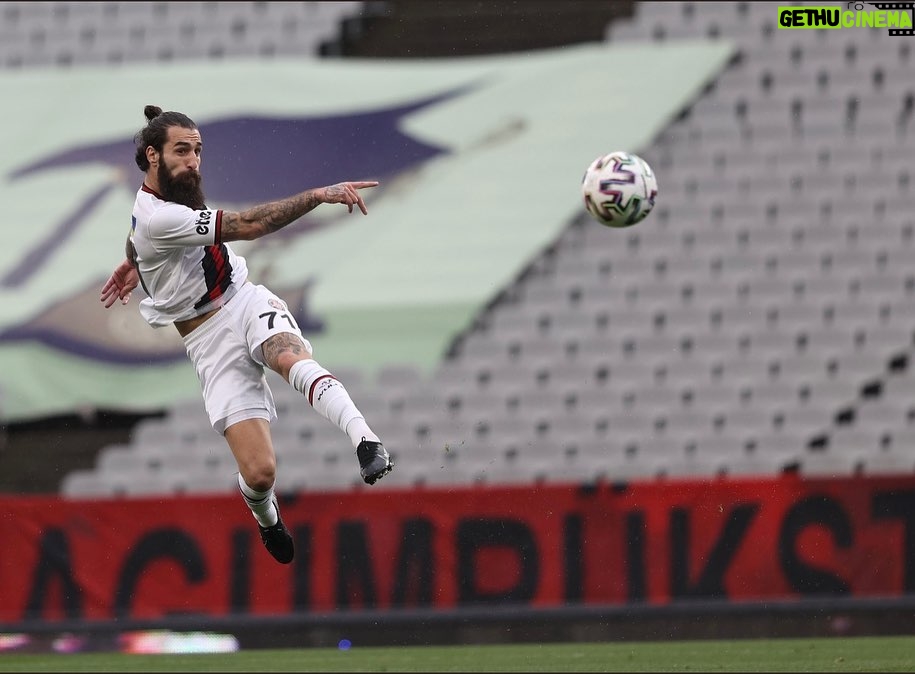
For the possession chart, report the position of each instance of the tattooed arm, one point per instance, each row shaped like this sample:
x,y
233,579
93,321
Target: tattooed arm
x,y
264,219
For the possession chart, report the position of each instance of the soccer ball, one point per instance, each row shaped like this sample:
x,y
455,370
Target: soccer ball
x,y
620,189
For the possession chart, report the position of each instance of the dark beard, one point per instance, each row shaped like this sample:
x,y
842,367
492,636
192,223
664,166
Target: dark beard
x,y
183,189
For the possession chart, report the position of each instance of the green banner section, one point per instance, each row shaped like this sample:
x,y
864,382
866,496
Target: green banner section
x,y
440,240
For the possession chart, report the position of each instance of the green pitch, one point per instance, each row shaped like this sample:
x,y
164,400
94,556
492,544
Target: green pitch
x,y
861,654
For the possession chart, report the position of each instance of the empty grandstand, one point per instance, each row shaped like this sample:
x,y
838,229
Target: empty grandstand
x,y
778,249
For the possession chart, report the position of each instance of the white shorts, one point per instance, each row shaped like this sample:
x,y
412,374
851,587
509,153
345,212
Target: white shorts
x,y
226,353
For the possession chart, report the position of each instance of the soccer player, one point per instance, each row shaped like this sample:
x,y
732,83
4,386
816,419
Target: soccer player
x,y
178,250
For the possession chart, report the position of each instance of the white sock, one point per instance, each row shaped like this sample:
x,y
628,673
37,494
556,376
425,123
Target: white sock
x,y
260,502
329,399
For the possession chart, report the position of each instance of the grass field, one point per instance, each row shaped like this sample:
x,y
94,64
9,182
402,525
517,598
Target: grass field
x,y
859,654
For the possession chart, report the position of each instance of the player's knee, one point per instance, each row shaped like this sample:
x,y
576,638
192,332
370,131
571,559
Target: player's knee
x,y
285,363
284,350
259,475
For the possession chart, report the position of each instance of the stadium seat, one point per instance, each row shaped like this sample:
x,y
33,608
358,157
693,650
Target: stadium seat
x,y
888,463
87,483
691,466
318,477
825,394
858,368
829,465
399,376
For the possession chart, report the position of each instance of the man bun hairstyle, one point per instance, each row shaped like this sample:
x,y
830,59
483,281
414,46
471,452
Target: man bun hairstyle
x,y
156,131
151,112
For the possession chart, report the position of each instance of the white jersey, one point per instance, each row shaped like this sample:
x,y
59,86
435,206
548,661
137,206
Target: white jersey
x,y
185,268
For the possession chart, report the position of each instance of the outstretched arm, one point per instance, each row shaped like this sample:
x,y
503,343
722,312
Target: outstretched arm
x,y
120,284
266,218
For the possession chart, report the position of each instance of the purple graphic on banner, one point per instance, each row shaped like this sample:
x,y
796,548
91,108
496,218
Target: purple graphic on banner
x,y
254,158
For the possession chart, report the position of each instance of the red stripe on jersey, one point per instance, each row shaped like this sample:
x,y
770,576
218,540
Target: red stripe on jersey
x,y
218,228
311,391
217,273
146,188
218,281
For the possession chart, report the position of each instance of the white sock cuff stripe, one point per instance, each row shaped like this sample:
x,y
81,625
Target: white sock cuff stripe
x,y
251,496
314,384
305,375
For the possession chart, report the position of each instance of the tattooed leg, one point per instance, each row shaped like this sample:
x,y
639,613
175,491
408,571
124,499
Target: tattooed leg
x,y
284,350
285,353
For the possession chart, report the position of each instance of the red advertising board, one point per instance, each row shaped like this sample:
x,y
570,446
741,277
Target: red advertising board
x,y
653,542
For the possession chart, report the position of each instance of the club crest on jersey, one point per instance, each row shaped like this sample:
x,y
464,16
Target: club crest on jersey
x,y
277,304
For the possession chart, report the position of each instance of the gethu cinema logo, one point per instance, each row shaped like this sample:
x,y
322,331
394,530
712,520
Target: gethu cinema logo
x,y
835,17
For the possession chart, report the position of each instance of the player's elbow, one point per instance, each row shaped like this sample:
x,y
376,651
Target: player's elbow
x,y
237,228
